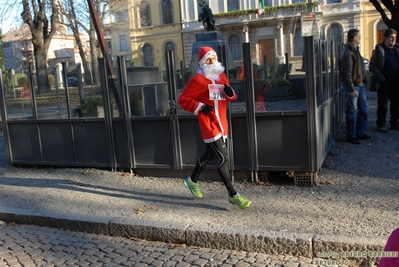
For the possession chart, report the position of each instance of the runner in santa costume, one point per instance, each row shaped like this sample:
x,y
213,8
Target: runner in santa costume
x,y
206,95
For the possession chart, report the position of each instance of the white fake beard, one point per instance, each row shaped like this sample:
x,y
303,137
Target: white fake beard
x,y
213,71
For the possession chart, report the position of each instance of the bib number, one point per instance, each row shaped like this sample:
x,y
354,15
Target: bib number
x,y
216,92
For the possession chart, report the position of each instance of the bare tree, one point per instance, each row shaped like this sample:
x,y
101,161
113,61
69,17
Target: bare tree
x,y
35,15
77,15
393,8
72,13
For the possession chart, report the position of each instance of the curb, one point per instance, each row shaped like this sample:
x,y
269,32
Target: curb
x,y
268,242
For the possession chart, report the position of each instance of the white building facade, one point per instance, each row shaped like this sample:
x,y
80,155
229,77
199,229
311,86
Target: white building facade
x,y
275,33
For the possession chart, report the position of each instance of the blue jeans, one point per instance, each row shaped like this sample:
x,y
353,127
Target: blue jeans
x,y
356,121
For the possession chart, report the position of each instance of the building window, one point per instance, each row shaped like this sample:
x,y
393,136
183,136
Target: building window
x,y
333,1
296,1
109,44
147,56
121,16
235,47
167,13
334,33
145,14
298,42
169,46
122,42
232,5
202,1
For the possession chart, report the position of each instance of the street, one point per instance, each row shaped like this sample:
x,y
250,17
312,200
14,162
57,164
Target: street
x,y
30,245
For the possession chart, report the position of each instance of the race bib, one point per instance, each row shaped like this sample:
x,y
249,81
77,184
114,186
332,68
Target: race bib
x,y
216,92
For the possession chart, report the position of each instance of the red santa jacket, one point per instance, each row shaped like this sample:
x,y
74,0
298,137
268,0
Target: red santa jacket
x,y
392,250
200,91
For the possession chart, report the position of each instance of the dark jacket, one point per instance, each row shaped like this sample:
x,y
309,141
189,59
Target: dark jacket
x,y
350,67
377,63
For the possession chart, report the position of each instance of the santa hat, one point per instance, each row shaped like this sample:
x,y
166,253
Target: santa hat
x,y
204,53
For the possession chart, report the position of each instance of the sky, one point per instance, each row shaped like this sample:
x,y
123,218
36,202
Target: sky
x,y
10,15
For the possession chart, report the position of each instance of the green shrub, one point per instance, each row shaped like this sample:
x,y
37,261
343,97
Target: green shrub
x,y
91,102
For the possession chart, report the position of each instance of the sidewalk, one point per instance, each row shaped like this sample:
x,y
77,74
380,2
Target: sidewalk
x,y
354,208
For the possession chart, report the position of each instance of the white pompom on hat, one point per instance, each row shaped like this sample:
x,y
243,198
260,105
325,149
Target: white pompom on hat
x,y
204,53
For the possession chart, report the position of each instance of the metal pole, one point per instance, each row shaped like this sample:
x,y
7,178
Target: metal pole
x,y
32,92
174,113
64,78
4,121
108,115
223,59
311,102
13,86
123,83
251,119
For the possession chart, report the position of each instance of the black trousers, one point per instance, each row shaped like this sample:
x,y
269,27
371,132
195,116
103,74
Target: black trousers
x,y
215,149
388,92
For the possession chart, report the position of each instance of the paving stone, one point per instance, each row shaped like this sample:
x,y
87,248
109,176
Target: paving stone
x,y
79,249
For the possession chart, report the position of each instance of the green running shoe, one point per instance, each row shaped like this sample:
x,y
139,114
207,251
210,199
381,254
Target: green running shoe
x,y
240,201
194,187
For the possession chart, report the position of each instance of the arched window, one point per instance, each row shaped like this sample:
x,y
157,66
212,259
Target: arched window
x,y
147,56
298,42
167,14
233,5
334,33
169,46
381,27
235,47
145,13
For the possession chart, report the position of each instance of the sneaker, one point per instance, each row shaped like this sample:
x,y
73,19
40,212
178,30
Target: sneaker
x,y
382,129
194,187
239,201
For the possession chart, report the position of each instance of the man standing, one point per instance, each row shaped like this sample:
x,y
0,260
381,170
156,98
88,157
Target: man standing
x,y
384,65
206,95
353,77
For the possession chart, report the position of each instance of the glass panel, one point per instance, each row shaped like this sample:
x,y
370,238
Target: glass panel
x,y
277,86
148,99
18,94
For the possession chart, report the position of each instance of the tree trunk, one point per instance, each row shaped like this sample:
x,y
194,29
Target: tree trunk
x,y
43,83
34,14
86,68
94,53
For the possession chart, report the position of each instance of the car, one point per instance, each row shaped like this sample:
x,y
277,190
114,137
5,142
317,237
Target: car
x,y
72,81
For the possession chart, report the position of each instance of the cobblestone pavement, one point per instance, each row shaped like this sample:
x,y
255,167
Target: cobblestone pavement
x,y
30,245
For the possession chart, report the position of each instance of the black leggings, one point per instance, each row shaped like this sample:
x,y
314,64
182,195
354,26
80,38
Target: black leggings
x,y
217,148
